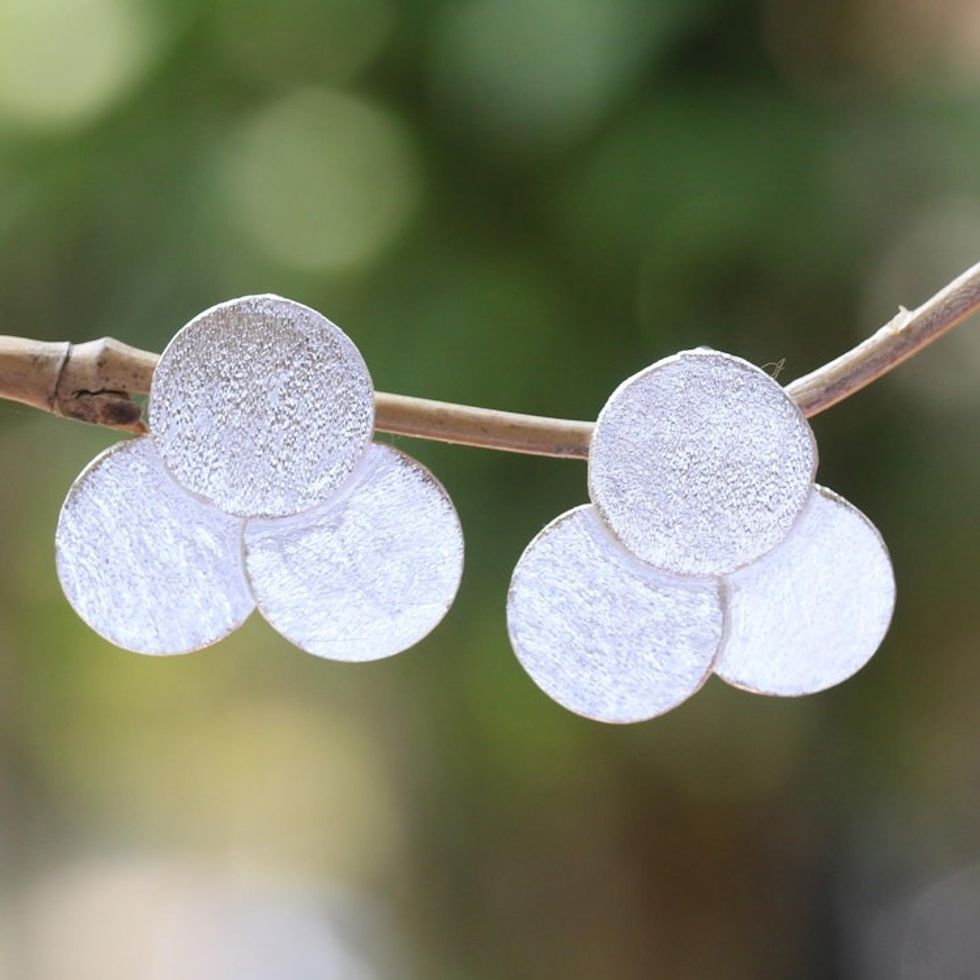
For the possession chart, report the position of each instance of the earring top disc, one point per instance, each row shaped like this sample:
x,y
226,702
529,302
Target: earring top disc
x,y
261,406
701,463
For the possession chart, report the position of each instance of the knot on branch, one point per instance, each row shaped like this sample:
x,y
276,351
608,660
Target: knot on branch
x,y
95,382
114,409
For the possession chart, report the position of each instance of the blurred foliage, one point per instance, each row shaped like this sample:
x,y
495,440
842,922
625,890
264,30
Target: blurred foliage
x,y
515,203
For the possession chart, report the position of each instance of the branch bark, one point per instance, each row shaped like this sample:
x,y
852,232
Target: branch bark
x,y
94,382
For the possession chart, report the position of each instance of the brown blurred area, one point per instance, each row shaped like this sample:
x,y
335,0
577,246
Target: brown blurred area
x,y
514,203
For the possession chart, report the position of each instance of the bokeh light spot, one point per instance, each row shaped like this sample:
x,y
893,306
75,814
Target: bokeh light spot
x,y
536,73
322,180
148,918
64,61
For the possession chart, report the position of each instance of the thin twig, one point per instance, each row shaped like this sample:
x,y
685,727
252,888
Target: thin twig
x,y
94,382
903,336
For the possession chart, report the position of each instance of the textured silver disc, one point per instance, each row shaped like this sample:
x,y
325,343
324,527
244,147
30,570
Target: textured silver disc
x,y
366,575
603,634
262,406
144,563
815,609
701,463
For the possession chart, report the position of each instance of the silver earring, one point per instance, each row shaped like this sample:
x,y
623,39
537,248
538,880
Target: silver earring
x,y
259,485
707,548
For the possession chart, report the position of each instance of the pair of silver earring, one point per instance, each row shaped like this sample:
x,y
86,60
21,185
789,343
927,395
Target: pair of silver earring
x,y
707,546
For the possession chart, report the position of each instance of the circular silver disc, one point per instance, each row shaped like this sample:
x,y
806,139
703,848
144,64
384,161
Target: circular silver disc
x,y
701,463
262,406
366,575
145,564
814,610
604,635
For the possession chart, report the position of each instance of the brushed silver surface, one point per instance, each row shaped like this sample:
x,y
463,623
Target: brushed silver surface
x,y
145,564
701,463
366,575
262,406
603,634
815,609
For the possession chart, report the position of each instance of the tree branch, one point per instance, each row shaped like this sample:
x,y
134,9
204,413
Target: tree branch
x,y
903,336
93,382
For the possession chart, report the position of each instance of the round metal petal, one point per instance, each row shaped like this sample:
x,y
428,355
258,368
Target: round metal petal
x,y
145,564
814,610
262,406
603,634
368,574
701,463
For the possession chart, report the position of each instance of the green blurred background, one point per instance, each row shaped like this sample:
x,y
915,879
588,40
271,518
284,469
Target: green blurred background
x,y
514,203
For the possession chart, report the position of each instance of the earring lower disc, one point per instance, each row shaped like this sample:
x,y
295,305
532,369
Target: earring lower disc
x,y
367,575
815,609
603,634
145,564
